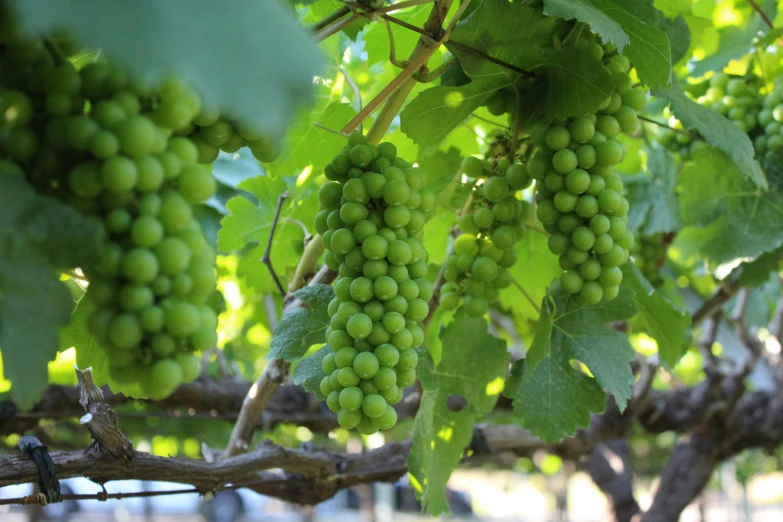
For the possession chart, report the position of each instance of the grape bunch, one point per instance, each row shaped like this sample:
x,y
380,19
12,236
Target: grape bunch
x,y
212,133
371,219
493,222
99,141
649,254
769,141
737,99
579,194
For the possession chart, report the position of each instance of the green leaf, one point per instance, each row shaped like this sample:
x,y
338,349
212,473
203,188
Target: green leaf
x,y
732,220
307,144
646,46
302,327
661,319
717,130
758,271
534,270
593,15
440,435
441,167
244,57
232,169
513,33
434,113
735,41
553,399
38,235
308,372
654,205
248,225
560,71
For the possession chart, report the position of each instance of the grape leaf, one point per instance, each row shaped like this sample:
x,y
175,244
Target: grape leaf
x,y
513,33
552,398
308,372
645,45
735,41
434,113
654,205
440,435
758,271
730,219
520,35
534,270
717,130
38,235
585,11
306,144
661,319
573,83
248,225
245,57
303,326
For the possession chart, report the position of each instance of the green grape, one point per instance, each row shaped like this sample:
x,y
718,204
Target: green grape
x,y
385,288
373,405
571,281
558,138
347,378
385,378
359,326
591,293
495,189
564,161
476,305
182,319
577,181
349,419
366,365
387,355
351,398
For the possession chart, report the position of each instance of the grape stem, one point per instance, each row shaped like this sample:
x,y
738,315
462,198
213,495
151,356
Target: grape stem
x,y
527,296
681,131
329,129
267,259
336,27
357,95
489,121
329,19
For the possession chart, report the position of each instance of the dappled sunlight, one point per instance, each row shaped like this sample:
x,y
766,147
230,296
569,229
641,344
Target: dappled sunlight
x,y
495,387
454,99
445,433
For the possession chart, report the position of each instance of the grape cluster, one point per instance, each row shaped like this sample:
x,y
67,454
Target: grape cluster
x,y
372,215
579,194
769,139
737,99
493,222
104,144
649,253
212,133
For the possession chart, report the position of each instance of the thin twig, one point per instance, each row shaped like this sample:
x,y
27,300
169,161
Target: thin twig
x,y
666,126
461,47
307,235
527,296
357,95
266,259
490,121
411,69
330,19
328,129
402,5
336,27
762,13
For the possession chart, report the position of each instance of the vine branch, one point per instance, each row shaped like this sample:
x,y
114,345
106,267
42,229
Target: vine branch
x,y
266,258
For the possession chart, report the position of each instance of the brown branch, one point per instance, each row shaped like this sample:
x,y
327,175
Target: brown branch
x,y
266,259
715,302
761,12
609,466
684,477
108,441
261,391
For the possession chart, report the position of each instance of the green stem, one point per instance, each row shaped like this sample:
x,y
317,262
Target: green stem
x,y
435,73
573,34
329,19
307,264
389,111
